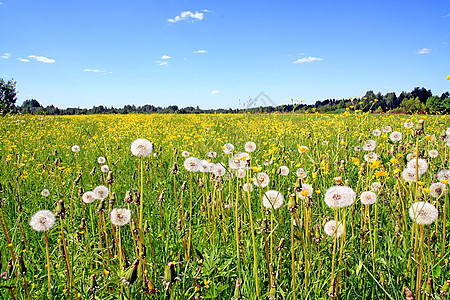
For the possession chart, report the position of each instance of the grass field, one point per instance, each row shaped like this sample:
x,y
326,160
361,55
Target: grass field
x,y
322,208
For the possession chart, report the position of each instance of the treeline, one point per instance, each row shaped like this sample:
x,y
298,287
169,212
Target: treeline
x,y
419,100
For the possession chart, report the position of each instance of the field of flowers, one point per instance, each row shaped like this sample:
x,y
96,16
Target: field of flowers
x,y
350,206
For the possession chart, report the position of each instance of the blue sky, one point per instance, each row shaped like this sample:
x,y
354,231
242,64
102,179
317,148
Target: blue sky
x,y
220,53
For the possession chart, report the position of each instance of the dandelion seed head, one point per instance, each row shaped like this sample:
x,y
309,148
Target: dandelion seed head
x,y
88,197
422,165
370,157
433,153
228,148
396,136
42,220
219,170
409,174
369,145
272,199
408,124
75,148
247,187
192,164
386,128
438,189
333,228
376,132
204,166
45,193
261,180
104,168
375,186
368,198
185,154
120,216
423,213
101,192
301,173
283,170
141,147
250,146
306,189
339,196
101,160
443,175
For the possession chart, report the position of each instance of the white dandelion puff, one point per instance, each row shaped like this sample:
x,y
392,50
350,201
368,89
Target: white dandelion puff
x,y
101,192
43,220
192,164
438,189
339,196
376,132
396,136
45,193
409,174
369,145
443,175
433,153
408,124
88,197
375,186
75,148
306,191
422,165
333,228
248,187
120,216
368,198
104,168
301,173
228,148
261,180
185,154
370,157
250,146
283,170
141,147
386,128
101,160
219,170
423,213
272,199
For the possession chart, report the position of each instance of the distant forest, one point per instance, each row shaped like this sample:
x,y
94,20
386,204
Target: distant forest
x,y
419,100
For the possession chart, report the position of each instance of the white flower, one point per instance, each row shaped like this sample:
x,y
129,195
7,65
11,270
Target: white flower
x,y
396,136
272,199
422,165
45,193
423,213
101,160
370,157
240,173
261,180
105,168
305,187
75,148
301,173
88,197
375,187
386,128
120,216
369,145
192,164
368,198
185,154
141,147
43,220
204,166
247,187
211,154
443,175
219,170
250,146
438,189
376,132
433,153
239,161
283,170
101,192
409,174
332,227
408,124
228,148
339,196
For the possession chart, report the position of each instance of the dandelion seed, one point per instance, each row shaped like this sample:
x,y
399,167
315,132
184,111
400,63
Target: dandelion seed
x,y
261,180
219,170
45,193
422,166
101,192
409,174
105,168
369,145
370,157
75,148
238,161
228,148
120,216
272,199
283,170
433,153
396,136
376,132
306,191
141,147
408,124
423,213
204,166
192,164
375,186
386,128
301,173
43,220
88,197
333,228
185,154
357,148
368,198
211,154
339,196
438,189
101,160
247,187
250,146
443,175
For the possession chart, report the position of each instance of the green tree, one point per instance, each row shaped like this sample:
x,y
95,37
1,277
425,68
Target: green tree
x,y
7,96
435,104
412,105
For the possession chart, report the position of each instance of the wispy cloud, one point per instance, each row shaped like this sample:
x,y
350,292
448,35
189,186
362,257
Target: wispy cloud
x,y
1,3
200,51
165,57
307,60
206,10
215,92
188,16
424,51
42,59
94,70
23,60
447,15
162,63
6,55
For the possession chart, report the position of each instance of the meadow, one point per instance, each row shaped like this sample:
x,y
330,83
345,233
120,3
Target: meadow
x,y
246,206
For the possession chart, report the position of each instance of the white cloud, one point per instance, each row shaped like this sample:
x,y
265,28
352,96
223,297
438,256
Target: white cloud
x,y
165,57
447,15
200,51
1,3
215,92
6,55
23,59
94,70
162,63
206,10
307,60
424,51
187,15
444,43
43,59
